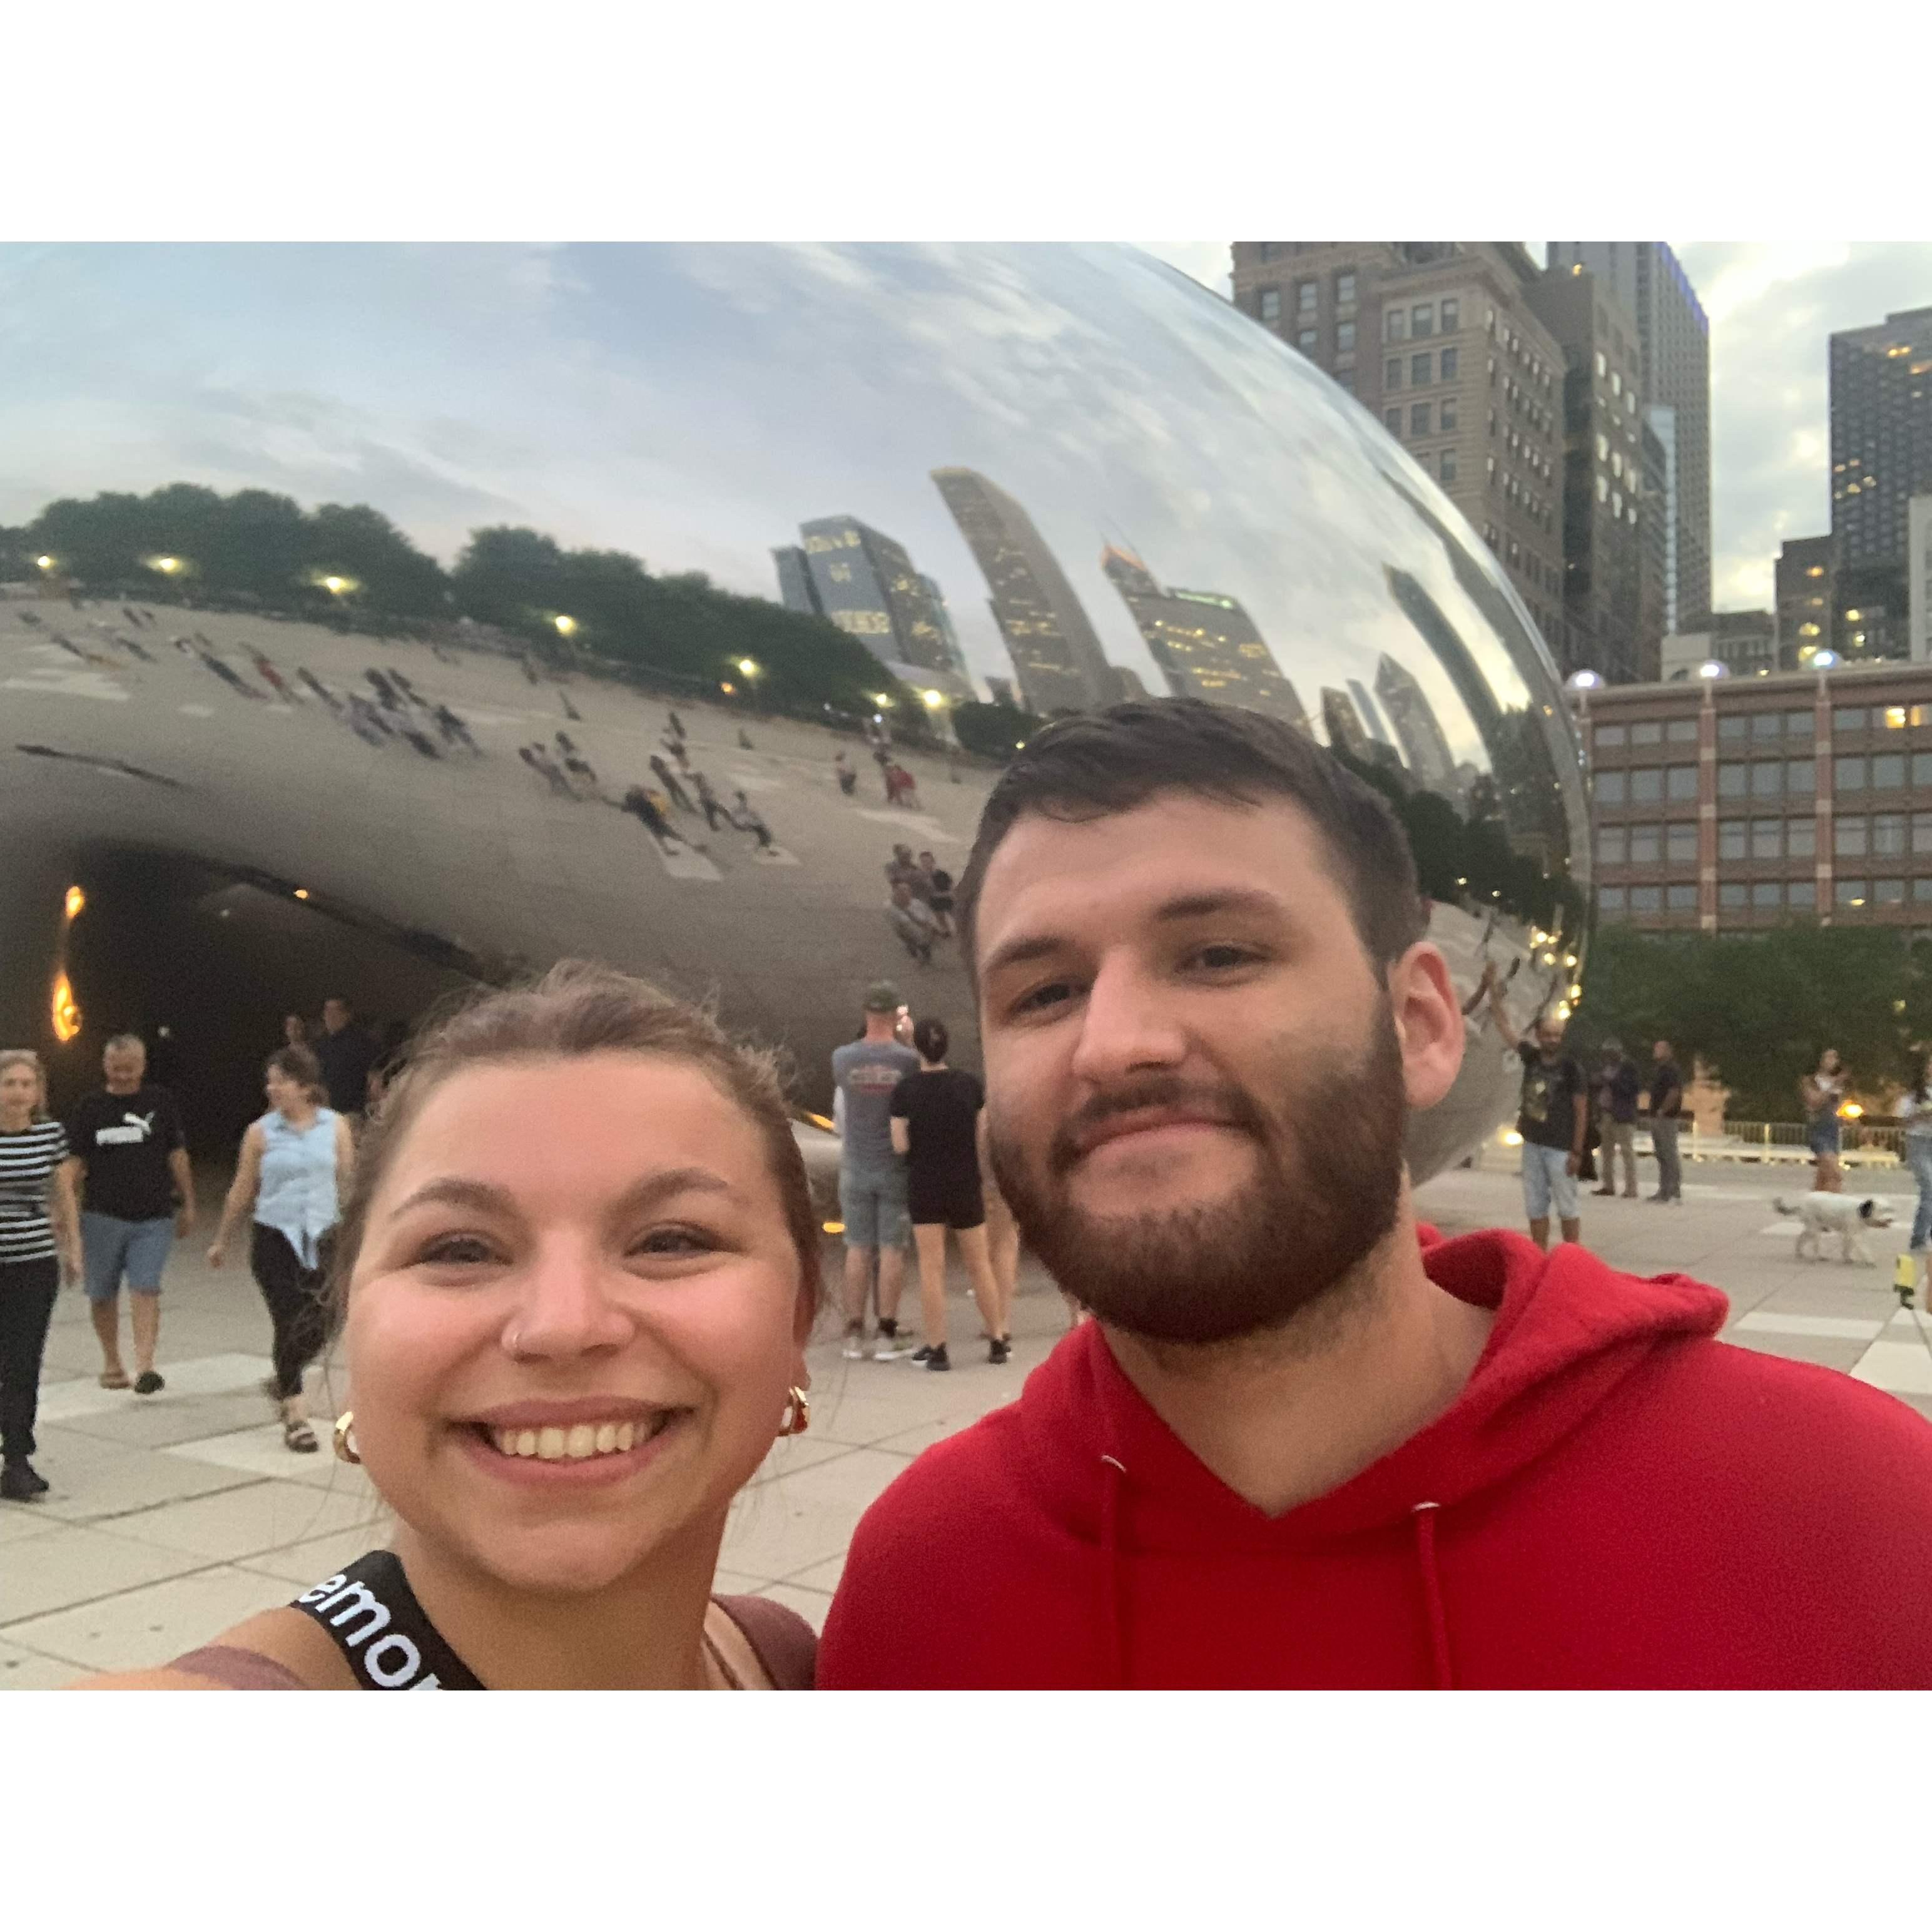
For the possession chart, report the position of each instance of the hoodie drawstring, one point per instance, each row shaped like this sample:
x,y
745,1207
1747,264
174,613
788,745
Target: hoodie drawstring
x,y
1424,1516
1113,1622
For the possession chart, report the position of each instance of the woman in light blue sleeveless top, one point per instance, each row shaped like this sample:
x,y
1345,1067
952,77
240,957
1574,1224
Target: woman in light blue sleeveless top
x,y
293,1172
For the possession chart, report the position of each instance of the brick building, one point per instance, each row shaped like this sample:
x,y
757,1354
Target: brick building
x,y
1736,804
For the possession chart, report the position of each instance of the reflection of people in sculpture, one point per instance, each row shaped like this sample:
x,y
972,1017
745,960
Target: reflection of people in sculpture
x,y
913,922
673,791
848,777
901,788
539,761
744,740
746,819
938,894
643,808
707,800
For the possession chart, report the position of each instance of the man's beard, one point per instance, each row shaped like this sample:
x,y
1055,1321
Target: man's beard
x,y
1326,1191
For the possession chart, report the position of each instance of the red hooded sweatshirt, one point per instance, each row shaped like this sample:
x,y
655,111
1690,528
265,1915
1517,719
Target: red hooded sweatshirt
x,y
1616,1500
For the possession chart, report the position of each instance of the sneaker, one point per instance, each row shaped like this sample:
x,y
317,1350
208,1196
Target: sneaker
x,y
937,1358
854,1350
997,1352
20,1482
894,1348
148,1382
922,1355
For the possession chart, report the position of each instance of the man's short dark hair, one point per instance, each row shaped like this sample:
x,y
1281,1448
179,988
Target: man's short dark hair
x,y
1111,761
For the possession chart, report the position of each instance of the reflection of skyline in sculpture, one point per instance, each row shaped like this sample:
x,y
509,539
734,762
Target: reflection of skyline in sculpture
x,y
948,638
865,583
1206,645
1417,728
1056,654
1371,717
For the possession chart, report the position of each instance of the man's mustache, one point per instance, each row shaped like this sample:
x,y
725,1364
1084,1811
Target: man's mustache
x,y
1226,1104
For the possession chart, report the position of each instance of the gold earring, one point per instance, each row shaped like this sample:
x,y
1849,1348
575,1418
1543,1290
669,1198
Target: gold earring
x,y
345,1437
797,1417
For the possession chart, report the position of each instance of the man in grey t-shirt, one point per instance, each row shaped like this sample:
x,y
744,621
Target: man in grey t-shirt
x,y
871,1176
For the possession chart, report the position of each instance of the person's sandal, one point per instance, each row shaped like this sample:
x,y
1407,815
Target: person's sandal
x,y
299,1436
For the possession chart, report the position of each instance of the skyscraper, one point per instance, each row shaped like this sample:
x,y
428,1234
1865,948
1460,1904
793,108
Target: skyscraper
x,y
1055,653
865,583
1417,729
1881,458
1805,600
1206,644
1675,339
1439,339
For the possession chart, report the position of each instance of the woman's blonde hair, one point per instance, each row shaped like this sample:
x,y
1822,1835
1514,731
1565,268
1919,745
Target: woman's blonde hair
x,y
576,1009
25,1056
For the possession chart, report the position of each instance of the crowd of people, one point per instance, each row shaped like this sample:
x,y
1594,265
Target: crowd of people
x,y
919,906
1302,1441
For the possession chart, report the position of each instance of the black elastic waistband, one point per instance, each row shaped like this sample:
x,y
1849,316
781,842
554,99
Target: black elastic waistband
x,y
371,1615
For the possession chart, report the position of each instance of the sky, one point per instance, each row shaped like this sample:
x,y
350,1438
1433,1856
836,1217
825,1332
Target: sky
x,y
241,367
1771,306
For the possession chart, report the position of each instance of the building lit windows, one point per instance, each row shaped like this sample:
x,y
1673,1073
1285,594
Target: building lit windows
x,y
1603,366
1603,487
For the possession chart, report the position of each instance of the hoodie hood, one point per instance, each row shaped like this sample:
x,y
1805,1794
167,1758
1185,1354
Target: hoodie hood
x,y
1568,1330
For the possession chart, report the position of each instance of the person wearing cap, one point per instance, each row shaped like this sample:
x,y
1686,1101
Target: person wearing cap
x,y
1616,1084
871,1172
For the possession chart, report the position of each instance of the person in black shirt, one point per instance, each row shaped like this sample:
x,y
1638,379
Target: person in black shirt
x,y
1667,1108
347,1054
127,1157
1553,1118
935,1124
1616,1084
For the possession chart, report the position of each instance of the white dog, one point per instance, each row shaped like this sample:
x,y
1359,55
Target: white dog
x,y
1822,1214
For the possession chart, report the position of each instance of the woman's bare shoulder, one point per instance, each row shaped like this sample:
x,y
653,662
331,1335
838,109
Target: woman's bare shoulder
x,y
262,1653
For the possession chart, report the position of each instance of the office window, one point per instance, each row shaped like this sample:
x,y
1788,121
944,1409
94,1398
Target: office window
x,y
1392,421
1921,768
1682,731
1853,892
1680,842
1766,724
1732,725
1271,308
1767,838
1800,775
1418,418
1452,363
1610,901
1610,788
1602,365
1797,724
1612,845
1888,771
1344,288
1800,838
1646,898
1646,785
1767,779
1648,732
1603,487
1922,890
1680,783
1850,774
1850,836
1921,832
1344,338
1346,379
1680,899
1419,368
1732,836
1447,416
1306,297
1888,892
1395,325
1800,895
1888,834
1733,782
1451,315
1422,320
1610,737
1733,894
1392,373
1767,895
1849,718
1446,463
1646,845
1307,341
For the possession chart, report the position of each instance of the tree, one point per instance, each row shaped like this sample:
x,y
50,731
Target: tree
x,y
994,730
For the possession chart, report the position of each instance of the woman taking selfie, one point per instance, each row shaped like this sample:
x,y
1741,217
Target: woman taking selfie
x,y
573,1279
40,1238
289,1183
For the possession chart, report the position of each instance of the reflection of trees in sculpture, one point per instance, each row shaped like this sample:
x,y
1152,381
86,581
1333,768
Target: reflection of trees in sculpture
x,y
259,550
993,730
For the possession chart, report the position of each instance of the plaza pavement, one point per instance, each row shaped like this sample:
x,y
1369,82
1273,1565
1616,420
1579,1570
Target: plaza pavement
x,y
172,1517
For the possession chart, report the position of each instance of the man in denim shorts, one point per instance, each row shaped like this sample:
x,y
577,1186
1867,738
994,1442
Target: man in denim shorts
x,y
871,1175
137,1193
1553,1119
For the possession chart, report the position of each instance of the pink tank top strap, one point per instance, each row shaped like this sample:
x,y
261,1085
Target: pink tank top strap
x,y
785,1643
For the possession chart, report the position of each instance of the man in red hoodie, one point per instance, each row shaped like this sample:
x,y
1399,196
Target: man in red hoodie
x,y
1303,1444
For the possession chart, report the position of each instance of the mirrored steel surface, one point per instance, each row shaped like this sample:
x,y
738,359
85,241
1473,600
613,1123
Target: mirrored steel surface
x,y
1089,463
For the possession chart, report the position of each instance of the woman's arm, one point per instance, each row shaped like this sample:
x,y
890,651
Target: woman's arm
x,y
66,1218
901,1134
241,1200
345,1161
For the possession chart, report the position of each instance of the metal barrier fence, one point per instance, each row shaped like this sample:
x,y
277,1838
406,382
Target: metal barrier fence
x,y
1856,1136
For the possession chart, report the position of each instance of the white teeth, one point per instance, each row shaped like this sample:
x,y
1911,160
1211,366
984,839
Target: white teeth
x,y
607,1438
550,1445
576,1443
626,1435
506,1441
580,1442
526,1442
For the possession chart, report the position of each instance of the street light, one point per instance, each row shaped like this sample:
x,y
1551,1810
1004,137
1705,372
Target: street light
x,y
748,667
1710,667
933,699
566,626
1584,680
45,563
168,566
